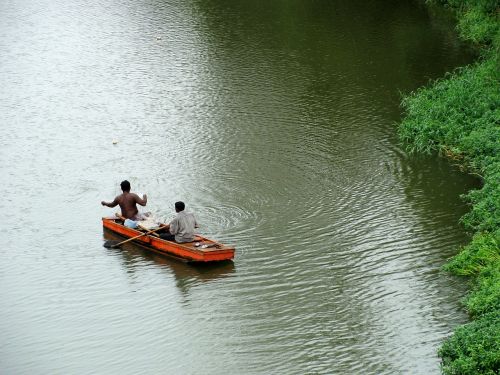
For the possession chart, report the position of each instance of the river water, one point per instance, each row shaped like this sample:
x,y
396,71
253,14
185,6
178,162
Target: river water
x,y
275,121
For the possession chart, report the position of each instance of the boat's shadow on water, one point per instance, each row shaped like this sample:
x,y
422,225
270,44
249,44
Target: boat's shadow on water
x,y
186,274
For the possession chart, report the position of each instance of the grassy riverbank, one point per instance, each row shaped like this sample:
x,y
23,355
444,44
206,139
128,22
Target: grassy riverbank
x,y
459,117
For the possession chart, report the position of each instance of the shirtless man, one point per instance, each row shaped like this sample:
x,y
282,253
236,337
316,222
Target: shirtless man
x,y
127,202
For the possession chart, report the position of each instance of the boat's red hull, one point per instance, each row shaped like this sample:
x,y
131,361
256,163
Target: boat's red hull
x,y
186,251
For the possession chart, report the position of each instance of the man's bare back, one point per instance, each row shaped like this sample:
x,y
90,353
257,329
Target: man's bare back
x,y
128,202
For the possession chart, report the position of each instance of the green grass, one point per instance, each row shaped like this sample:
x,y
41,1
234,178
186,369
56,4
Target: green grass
x,y
458,116
477,19
474,348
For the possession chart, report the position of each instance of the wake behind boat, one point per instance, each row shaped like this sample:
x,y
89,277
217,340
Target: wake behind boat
x,y
201,249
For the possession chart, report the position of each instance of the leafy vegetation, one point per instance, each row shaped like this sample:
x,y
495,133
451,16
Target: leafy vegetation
x,y
473,349
459,117
477,19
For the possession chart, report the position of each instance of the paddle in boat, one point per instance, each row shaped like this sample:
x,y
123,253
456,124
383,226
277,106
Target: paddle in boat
x,y
202,249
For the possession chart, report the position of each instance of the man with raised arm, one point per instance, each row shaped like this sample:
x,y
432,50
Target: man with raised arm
x,y
128,202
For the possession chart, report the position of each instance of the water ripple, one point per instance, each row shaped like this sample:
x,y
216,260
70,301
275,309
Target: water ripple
x,y
276,126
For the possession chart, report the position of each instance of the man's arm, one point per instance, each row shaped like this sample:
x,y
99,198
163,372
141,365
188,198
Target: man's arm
x,y
173,227
142,201
110,204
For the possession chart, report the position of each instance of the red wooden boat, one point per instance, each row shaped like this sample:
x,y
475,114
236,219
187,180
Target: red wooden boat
x,y
202,249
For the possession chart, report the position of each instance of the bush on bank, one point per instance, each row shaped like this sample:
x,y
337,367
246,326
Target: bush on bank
x,y
473,347
459,117
477,19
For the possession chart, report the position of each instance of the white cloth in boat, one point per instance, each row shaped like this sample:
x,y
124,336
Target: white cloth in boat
x,y
141,216
130,223
149,223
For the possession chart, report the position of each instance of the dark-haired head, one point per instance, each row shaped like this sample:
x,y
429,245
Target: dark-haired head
x,y
179,206
125,185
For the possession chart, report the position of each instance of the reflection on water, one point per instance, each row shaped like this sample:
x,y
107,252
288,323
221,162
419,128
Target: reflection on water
x,y
187,275
275,122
